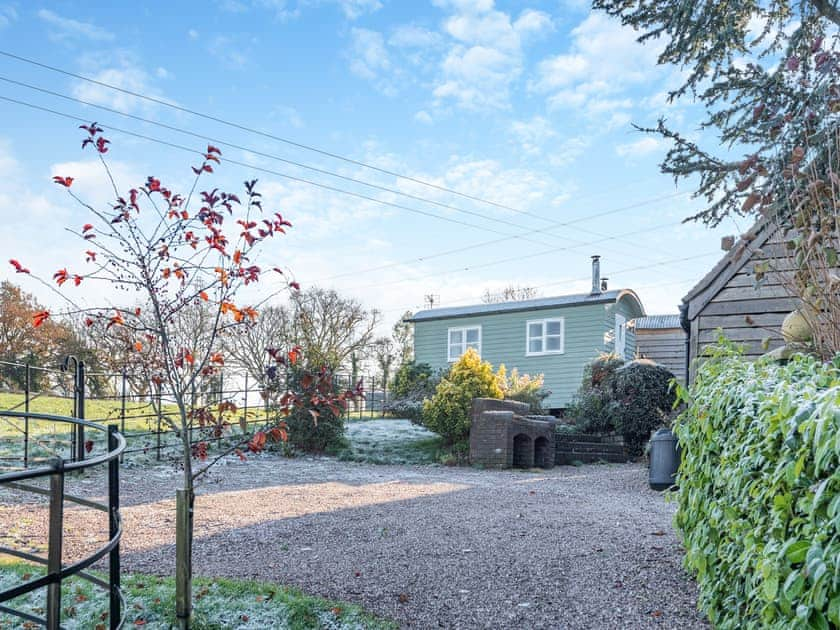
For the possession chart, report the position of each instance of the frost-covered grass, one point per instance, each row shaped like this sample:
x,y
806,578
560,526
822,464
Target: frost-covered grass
x,y
391,442
219,603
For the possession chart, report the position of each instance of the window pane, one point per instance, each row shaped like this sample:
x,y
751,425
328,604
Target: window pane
x,y
456,336
552,344
472,335
474,346
455,350
535,345
552,328
535,330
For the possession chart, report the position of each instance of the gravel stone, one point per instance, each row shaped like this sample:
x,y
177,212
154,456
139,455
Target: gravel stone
x,y
428,546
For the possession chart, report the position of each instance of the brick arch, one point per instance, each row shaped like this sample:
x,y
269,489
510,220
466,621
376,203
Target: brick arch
x,y
523,452
542,452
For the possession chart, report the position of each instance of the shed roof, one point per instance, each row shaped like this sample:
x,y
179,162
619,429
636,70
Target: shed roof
x,y
658,322
522,305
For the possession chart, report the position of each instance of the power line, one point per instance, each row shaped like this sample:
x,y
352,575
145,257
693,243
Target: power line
x,y
270,136
459,250
522,236
554,223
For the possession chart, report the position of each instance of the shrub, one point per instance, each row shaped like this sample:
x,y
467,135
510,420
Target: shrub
x,y
523,388
644,396
594,408
414,381
759,498
318,432
448,411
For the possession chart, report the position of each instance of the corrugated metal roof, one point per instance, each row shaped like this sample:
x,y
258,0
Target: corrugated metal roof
x,y
652,322
522,305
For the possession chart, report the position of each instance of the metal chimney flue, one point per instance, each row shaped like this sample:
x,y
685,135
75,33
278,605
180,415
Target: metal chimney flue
x,y
596,275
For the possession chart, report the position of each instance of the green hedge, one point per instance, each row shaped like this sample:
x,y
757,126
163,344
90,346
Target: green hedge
x,y
759,497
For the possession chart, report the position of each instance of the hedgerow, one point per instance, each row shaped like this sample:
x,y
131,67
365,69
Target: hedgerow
x,y
759,497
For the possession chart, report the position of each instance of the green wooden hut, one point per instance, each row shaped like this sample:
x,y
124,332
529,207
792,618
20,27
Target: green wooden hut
x,y
553,336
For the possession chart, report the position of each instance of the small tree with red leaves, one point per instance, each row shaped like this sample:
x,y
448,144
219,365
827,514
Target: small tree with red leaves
x,y
172,259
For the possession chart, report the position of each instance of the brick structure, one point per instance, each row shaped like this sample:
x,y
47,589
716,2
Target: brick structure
x,y
503,435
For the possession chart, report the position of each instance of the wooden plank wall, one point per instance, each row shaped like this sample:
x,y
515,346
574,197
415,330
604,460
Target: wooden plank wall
x,y
747,315
665,346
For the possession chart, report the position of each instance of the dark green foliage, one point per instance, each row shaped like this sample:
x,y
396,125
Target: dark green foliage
x,y
644,396
413,383
313,428
765,73
759,498
414,380
594,408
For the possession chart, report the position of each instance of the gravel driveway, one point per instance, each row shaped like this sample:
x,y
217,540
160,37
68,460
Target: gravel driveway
x,y
431,547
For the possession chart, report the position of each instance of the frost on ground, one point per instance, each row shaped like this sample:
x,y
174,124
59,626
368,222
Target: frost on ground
x,y
390,442
428,546
240,605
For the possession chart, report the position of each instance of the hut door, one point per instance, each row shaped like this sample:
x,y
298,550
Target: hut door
x,y
620,334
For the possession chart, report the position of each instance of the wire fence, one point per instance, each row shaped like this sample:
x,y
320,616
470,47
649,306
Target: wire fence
x,y
145,412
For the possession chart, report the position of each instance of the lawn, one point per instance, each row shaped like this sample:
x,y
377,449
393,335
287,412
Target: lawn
x,y
219,603
391,442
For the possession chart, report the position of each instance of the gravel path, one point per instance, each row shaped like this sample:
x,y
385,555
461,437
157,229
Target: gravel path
x,y
430,547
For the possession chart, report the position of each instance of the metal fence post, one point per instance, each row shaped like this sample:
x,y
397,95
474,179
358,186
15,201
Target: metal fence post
x,y
113,529
79,391
54,543
122,406
159,419
26,395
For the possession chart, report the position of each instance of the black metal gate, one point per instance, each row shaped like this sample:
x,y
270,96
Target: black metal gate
x,y
55,471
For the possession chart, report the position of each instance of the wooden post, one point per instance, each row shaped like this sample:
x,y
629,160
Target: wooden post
x,y
183,557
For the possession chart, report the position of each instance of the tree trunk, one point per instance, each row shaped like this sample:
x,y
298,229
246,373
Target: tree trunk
x,y
184,500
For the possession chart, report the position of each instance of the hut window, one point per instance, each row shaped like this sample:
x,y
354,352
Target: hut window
x,y
462,338
544,336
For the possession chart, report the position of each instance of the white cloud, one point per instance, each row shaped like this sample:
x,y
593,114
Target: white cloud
x,y
120,70
413,36
603,61
369,57
354,9
8,14
423,117
642,146
533,134
531,22
62,28
192,34
228,51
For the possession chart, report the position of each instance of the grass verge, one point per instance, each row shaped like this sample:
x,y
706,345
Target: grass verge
x,y
218,604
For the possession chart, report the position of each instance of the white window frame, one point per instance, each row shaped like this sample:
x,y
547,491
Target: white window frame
x,y
620,333
463,330
543,337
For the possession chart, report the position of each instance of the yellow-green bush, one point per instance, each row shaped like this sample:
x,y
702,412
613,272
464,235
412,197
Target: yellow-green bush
x,y
448,411
759,497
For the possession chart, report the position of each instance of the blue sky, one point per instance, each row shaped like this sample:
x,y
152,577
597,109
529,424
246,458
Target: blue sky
x,y
527,105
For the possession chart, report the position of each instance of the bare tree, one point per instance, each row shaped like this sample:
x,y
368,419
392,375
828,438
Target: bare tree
x,y
248,344
511,293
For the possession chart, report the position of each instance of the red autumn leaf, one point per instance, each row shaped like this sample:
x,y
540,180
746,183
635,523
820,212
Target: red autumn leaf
x,y
217,357
61,276
116,320
203,295
100,145
212,149
91,256
295,286
86,227
88,446
63,181
138,346
18,267
77,279
88,322
39,318
137,312
188,357
294,355
153,184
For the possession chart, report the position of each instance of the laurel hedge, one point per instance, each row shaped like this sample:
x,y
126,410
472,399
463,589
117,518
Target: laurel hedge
x,y
759,491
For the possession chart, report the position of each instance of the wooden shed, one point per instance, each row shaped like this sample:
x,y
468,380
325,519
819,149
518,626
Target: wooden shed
x,y
661,338
727,297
